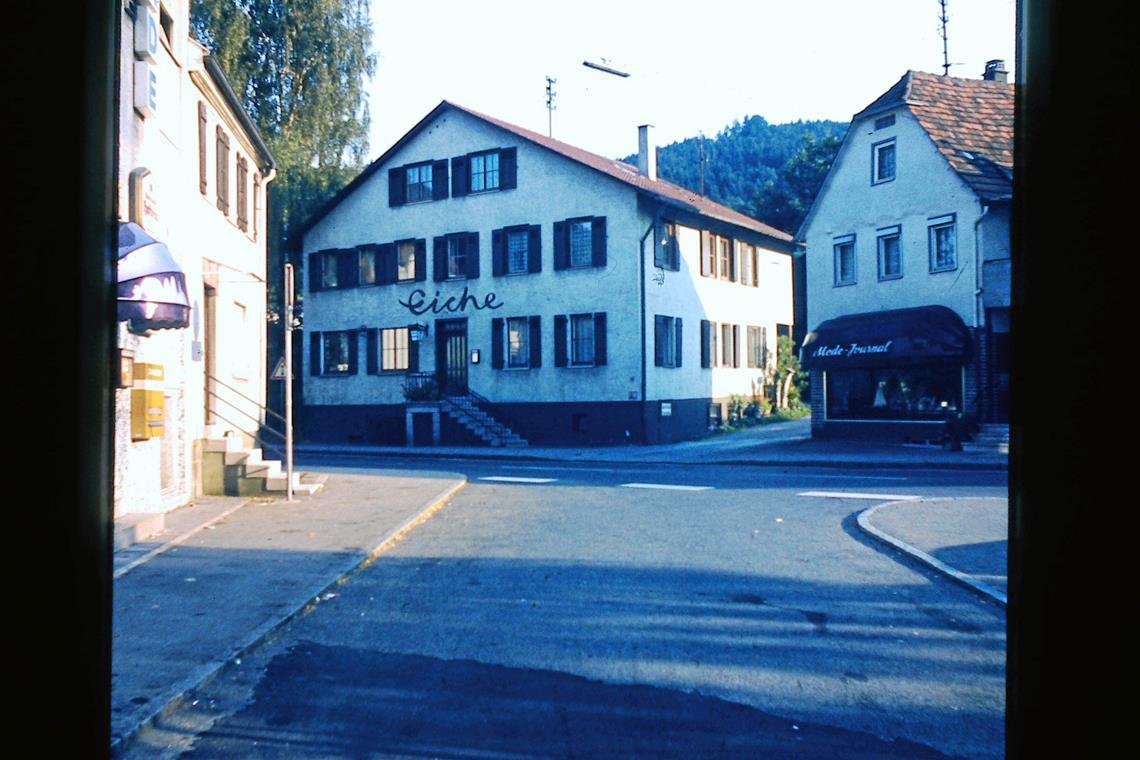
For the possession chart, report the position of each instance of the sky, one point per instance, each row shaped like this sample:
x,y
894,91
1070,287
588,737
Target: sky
x,y
694,66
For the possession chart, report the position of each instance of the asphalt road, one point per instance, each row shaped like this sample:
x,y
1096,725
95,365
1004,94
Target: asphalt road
x,y
628,611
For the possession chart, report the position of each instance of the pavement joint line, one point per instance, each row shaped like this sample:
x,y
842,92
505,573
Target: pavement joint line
x,y
176,541
206,674
860,495
666,486
864,522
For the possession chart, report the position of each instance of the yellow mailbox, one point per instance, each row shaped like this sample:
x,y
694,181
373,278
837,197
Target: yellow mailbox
x,y
147,402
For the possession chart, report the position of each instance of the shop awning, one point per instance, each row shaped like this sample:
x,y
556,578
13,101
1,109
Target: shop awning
x,y
151,287
921,335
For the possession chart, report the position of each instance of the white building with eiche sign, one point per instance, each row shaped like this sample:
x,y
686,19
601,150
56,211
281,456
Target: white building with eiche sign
x,y
192,183
566,296
908,254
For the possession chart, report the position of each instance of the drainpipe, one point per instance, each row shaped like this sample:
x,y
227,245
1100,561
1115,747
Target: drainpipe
x,y
984,408
644,369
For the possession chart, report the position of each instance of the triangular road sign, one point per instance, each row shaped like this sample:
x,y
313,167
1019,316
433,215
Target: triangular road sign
x,y
278,371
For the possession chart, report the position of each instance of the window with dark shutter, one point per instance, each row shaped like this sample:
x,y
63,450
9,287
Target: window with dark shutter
x,y
372,345
202,164
496,343
677,350
242,193
560,336
498,253
347,268
314,352
507,168
396,186
470,243
223,171
256,204
561,245
600,339
659,336
315,272
599,241
706,344
439,259
439,180
421,260
534,250
459,176
535,342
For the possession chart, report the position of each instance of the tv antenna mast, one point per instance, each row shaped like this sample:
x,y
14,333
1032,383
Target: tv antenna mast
x,y
945,55
550,93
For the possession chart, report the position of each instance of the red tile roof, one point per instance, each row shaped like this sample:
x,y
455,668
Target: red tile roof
x,y
969,120
667,191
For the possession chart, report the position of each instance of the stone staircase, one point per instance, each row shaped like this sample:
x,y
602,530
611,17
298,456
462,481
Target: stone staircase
x,y
465,410
231,468
990,438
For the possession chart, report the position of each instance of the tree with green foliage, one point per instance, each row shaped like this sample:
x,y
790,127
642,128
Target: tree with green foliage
x,y
300,68
785,201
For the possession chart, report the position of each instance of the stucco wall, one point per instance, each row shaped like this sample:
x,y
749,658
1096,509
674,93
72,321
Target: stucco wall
x,y
549,189
924,187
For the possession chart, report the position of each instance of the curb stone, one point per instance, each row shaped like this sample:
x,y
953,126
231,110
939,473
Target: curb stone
x,y
303,605
864,521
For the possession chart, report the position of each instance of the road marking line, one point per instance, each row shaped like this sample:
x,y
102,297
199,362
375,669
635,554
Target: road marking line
x,y
852,477
858,495
564,468
506,479
666,486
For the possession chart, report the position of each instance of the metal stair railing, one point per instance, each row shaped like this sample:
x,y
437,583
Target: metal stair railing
x,y
261,423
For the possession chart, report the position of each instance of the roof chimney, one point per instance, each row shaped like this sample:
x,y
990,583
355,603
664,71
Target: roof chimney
x,y
646,152
995,71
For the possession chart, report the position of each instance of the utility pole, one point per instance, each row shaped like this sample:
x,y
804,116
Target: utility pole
x,y
289,382
550,93
945,55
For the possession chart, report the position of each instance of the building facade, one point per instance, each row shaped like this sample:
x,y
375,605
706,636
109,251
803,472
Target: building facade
x,y
570,297
907,262
192,182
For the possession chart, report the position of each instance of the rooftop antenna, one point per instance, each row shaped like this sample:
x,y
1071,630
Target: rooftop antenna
x,y
607,69
550,93
701,160
945,55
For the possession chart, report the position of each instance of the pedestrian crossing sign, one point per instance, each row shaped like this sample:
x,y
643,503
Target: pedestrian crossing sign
x,y
278,371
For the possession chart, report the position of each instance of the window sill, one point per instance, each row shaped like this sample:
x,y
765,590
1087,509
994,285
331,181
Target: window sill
x,y
580,366
882,181
845,284
336,374
944,269
887,277
484,191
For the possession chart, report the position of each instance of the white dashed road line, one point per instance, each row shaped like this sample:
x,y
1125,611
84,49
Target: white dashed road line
x,y
508,479
858,495
666,486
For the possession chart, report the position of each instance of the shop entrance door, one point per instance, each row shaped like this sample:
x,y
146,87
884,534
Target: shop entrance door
x,y
451,356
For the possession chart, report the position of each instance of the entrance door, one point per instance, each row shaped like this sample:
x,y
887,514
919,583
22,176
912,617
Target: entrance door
x,y
451,356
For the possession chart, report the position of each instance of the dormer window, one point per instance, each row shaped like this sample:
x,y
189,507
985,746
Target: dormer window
x,y
883,162
884,121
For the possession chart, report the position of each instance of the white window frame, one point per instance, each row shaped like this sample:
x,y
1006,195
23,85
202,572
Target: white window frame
x,y
589,247
572,338
456,258
518,234
395,349
881,238
517,351
934,225
419,190
405,269
361,258
837,246
329,270
485,177
876,161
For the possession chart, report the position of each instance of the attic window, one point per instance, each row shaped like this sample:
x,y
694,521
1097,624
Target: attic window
x,y
166,21
885,121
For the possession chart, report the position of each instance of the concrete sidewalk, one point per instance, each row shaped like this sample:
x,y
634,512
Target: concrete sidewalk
x,y
226,572
780,443
965,539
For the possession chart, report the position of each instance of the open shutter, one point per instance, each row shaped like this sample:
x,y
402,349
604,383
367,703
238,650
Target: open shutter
x,y
386,266
599,232
353,350
421,260
736,345
658,340
561,245
534,249
599,339
714,348
370,350
439,259
498,253
459,176
314,353
706,343
535,342
733,263
507,168
496,343
347,268
439,180
471,249
314,272
397,189
677,348
202,167
560,340
708,255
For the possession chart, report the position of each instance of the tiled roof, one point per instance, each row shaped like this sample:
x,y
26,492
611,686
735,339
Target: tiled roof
x,y
969,120
667,191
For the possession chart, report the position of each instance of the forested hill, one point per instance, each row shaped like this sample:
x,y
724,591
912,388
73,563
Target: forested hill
x,y
750,162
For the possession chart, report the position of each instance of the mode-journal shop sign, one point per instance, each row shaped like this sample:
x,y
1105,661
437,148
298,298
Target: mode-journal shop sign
x,y
418,302
854,349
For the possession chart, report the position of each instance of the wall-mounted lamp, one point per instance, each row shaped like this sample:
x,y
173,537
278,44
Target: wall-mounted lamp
x,y
417,331
474,356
